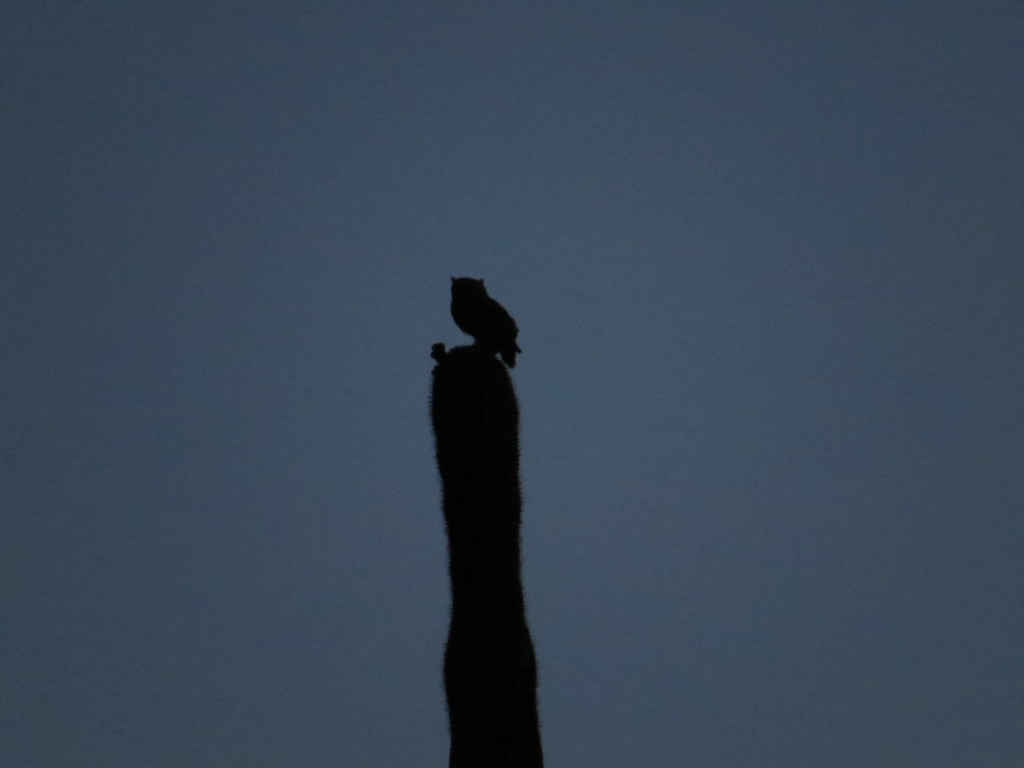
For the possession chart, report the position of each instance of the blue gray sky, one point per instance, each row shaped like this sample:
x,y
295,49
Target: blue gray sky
x,y
766,259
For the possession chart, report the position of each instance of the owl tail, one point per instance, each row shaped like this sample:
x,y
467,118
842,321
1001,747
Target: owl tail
x,y
508,354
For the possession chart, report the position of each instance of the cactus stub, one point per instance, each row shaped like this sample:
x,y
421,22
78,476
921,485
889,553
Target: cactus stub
x,y
490,672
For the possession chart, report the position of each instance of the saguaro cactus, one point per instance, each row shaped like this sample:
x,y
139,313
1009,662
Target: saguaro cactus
x,y
490,672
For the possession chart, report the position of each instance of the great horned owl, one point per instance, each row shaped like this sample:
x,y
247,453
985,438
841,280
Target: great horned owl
x,y
484,319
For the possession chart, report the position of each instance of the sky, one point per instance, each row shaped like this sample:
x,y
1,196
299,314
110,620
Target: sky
x,y
766,261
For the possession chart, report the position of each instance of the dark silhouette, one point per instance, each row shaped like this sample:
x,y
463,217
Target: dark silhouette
x,y
490,672
477,314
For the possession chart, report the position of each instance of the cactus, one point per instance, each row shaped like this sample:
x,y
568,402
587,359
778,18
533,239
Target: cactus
x,y
490,673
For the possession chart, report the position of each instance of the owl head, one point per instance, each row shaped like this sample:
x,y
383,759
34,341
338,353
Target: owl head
x,y
468,286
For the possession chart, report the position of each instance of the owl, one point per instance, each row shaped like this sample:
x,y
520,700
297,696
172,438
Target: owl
x,y
484,319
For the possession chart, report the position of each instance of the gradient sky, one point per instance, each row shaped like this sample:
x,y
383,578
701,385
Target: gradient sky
x,y
767,260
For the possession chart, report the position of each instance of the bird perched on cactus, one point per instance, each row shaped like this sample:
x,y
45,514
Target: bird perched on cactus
x,y
477,314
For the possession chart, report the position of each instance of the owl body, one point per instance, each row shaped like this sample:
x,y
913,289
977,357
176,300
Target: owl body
x,y
484,319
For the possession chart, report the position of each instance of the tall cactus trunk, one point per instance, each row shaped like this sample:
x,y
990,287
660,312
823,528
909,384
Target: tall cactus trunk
x,y
490,672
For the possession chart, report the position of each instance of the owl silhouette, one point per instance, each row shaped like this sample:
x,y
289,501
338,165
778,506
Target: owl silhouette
x,y
484,319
